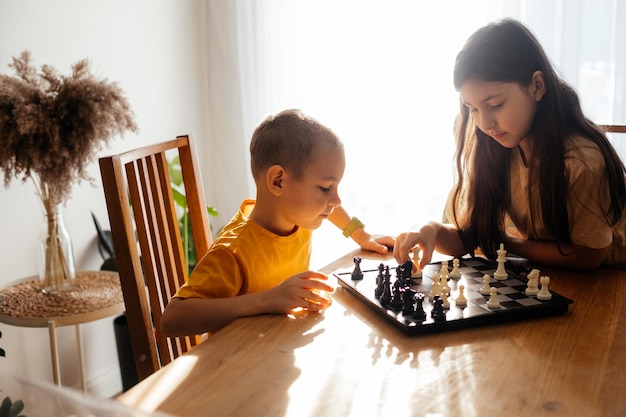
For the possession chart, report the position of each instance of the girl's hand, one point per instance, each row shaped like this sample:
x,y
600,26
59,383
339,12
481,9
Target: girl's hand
x,y
303,291
425,239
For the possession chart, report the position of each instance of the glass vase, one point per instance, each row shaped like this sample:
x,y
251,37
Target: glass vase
x,y
57,269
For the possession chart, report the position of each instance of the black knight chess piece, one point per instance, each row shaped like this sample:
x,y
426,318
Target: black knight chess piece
x,y
438,314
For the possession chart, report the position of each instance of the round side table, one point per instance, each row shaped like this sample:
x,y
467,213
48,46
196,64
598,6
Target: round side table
x,y
95,295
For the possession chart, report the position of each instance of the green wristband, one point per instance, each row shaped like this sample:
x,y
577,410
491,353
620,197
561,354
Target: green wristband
x,y
352,226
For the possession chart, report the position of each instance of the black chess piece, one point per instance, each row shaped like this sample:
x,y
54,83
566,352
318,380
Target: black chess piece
x,y
398,282
381,271
384,280
438,314
407,269
385,297
380,281
419,314
408,301
357,274
396,300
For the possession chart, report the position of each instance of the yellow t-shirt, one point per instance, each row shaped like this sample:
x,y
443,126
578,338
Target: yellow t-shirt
x,y
247,258
588,199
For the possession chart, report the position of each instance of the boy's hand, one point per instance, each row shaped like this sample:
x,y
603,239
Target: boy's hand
x,y
380,244
305,290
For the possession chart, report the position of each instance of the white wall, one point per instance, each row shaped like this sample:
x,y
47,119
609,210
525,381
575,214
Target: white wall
x,y
150,47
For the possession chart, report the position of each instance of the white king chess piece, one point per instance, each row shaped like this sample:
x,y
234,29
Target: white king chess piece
x,y
501,273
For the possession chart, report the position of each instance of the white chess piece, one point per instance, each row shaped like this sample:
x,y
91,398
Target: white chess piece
x,y
445,288
444,271
493,299
533,282
461,301
486,288
436,289
456,272
416,262
501,273
544,294
444,299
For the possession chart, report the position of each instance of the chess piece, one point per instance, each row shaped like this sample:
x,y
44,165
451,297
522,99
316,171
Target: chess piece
x,y
456,272
357,274
486,288
461,301
419,314
385,297
416,262
396,300
493,299
384,279
438,313
445,287
408,299
444,299
379,279
501,273
544,294
397,283
533,282
436,289
443,271
406,273
381,271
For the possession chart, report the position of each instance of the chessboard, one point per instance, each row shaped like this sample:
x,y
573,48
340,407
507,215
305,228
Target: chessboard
x,y
411,305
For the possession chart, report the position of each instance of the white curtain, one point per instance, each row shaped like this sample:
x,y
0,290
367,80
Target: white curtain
x,y
379,73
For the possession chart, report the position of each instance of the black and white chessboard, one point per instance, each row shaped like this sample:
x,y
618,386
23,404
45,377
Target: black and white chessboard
x,y
515,304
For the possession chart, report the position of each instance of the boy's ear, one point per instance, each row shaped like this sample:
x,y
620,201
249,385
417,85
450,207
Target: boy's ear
x,y
538,86
274,177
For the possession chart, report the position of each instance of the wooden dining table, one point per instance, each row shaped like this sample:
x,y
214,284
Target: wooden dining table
x,y
349,361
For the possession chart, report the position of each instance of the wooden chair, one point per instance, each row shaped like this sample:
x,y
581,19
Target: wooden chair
x,y
613,128
147,242
617,142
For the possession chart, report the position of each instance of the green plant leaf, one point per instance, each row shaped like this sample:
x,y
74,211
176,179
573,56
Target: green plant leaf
x,y
179,198
176,173
5,407
16,408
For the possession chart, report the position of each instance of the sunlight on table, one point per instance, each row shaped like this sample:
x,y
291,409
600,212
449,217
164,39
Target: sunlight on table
x,y
374,384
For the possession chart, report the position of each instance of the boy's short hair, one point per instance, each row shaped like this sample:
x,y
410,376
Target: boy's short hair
x,y
289,139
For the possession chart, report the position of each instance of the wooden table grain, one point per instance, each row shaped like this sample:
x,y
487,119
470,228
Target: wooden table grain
x,y
349,362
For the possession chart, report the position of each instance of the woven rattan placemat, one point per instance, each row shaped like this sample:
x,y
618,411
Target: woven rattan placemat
x,y
92,290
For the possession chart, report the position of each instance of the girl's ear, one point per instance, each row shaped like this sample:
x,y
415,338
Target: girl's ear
x,y
538,86
274,178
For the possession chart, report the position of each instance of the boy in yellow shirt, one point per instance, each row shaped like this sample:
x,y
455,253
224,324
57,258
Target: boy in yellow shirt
x,y
259,262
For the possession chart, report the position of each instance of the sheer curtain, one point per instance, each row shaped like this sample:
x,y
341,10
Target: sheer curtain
x,y
379,73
